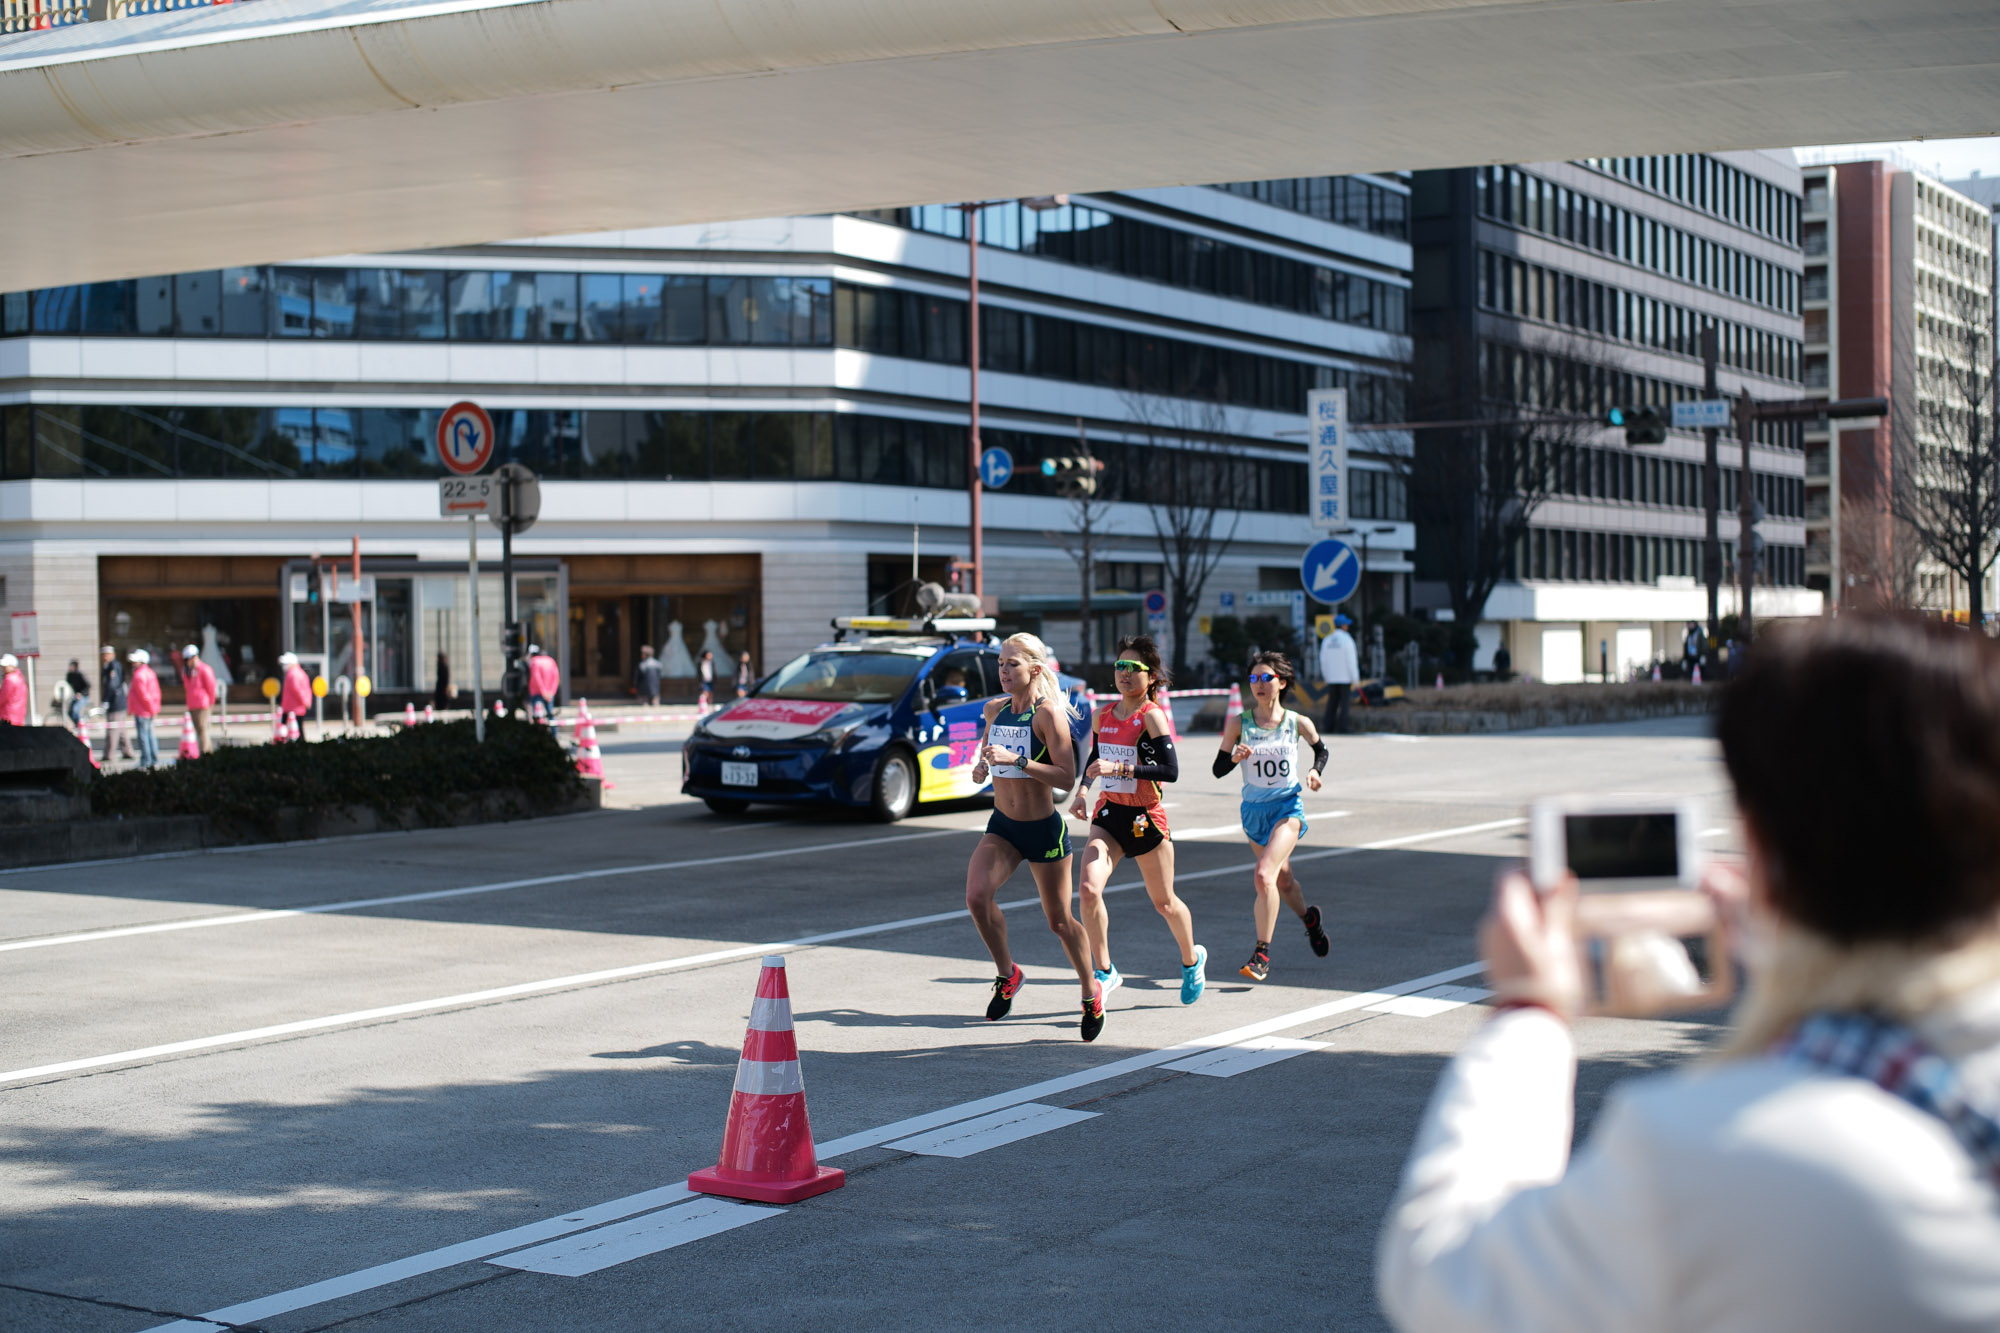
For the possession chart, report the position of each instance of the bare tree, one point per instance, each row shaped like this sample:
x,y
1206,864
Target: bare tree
x,y
1879,558
1473,489
1196,489
1946,447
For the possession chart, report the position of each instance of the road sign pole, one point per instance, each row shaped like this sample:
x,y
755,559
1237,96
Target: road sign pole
x,y
975,483
1711,492
360,647
472,581
1746,502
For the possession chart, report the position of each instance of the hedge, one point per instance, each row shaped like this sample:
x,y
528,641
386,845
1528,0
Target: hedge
x,y
413,776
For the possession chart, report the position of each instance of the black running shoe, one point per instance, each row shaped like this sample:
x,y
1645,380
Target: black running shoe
x,y
1314,934
1093,1016
1259,966
1004,990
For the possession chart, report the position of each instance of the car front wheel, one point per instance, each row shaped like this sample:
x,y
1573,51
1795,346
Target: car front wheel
x,y
895,788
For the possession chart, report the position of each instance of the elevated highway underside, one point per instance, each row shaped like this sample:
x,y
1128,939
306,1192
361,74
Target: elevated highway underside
x,y
292,128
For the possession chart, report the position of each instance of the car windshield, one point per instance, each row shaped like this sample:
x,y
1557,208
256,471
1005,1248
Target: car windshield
x,y
846,677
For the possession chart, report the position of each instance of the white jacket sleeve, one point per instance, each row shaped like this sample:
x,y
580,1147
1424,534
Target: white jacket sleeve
x,y
1488,1232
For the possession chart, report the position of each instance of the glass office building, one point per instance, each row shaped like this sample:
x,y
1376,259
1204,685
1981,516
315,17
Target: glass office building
x,y
742,429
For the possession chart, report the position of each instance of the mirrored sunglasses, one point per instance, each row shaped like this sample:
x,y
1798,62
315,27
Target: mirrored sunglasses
x,y
1259,677
1125,664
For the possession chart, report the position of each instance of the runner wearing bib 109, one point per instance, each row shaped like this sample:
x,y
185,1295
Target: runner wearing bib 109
x,y
1133,754
1264,739
1029,754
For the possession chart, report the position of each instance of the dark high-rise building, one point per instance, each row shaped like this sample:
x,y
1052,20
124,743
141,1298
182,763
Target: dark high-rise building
x,y
1562,289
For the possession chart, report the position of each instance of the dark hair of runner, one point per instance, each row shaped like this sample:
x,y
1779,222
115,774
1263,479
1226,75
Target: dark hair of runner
x,y
1141,648
1281,667
1866,757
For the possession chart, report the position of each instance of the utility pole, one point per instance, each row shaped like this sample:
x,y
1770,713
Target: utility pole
x,y
1089,571
360,657
974,486
1711,490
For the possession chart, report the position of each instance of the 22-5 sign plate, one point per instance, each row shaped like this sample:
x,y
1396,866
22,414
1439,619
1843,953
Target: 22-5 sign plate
x,y
469,497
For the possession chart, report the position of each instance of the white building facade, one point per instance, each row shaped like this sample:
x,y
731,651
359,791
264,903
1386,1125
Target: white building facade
x,y
742,429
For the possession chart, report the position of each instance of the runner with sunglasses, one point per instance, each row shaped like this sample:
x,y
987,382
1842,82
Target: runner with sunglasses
x,y
1131,756
1265,740
1029,752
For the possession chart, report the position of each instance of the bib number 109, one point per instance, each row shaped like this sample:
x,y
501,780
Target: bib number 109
x,y
1271,768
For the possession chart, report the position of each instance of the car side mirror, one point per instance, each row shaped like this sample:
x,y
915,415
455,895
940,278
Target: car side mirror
x,y
952,694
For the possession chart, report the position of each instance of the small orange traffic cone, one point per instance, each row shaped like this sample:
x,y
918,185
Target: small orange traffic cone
x,y
589,759
279,732
1167,706
430,714
767,1145
409,715
1235,708
499,708
92,753
190,747
296,733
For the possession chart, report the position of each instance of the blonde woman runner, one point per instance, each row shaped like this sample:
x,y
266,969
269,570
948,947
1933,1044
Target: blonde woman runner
x,y
1029,753
1265,738
1133,755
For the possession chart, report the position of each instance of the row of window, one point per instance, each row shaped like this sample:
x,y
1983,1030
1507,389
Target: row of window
x,y
1346,200
891,322
386,304
1644,479
1702,182
1372,494
279,443
1622,557
1096,239
1523,377
1531,291
1510,195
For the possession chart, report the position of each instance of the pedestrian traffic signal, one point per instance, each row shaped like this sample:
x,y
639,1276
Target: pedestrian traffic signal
x,y
1076,476
1642,425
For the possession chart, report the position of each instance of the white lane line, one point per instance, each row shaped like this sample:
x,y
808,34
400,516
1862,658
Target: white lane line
x,y
991,1131
450,1256
1229,1061
1431,1003
647,969
622,1242
434,895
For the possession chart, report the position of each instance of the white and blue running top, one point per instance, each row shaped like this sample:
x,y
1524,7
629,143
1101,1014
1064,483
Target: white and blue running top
x,y
1271,773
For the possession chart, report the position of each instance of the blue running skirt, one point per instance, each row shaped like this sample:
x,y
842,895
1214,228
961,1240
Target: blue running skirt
x,y
1261,818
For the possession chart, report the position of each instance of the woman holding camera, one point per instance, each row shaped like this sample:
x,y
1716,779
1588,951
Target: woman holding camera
x,y
1265,738
1836,1166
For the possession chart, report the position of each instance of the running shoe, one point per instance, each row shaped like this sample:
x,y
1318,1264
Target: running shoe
x,y
1004,991
1093,1016
1107,981
1195,976
1314,934
1259,966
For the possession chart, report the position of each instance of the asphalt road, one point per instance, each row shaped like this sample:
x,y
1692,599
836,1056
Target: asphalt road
x,y
326,1085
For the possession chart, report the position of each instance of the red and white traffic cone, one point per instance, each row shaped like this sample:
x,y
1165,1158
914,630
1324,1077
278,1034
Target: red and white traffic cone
x,y
190,747
1440,680
279,733
87,749
1235,708
297,733
1697,673
499,708
430,713
409,715
1167,706
589,759
767,1145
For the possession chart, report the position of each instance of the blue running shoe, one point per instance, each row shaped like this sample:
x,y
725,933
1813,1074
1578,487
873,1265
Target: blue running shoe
x,y
1194,977
1107,981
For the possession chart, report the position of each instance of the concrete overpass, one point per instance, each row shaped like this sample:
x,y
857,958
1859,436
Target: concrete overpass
x,y
290,128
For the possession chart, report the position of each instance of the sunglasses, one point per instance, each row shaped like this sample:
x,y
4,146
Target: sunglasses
x,y
1259,677
1125,665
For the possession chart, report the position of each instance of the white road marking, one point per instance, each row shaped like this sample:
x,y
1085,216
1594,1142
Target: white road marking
x,y
648,969
469,890
1229,1061
1431,1003
1225,830
482,1247
991,1131
574,1256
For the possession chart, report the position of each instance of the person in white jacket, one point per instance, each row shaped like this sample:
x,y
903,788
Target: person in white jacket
x,y
1340,668
1835,1168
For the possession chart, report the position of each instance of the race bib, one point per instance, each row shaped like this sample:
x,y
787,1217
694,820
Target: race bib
x,y
1270,765
1119,754
1019,739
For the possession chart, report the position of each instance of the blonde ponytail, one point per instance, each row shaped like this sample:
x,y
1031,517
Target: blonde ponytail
x,y
1046,686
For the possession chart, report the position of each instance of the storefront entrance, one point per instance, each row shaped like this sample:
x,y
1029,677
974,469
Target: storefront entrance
x,y
679,605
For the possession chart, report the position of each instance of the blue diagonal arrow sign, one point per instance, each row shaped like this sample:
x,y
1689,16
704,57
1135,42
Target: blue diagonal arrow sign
x,y
1331,571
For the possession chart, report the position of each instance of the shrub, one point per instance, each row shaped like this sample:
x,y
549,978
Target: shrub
x,y
414,776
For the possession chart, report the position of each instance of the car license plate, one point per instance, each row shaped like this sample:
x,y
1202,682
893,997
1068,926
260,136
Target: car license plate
x,y
738,775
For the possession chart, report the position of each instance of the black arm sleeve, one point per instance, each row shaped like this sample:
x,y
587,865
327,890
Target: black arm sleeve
x,y
1223,764
1093,757
1319,756
1158,761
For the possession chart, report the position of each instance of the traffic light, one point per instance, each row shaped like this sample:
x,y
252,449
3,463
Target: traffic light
x,y
514,640
1076,477
1643,425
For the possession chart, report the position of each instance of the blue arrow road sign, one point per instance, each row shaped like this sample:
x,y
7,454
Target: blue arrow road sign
x,y
996,467
1331,571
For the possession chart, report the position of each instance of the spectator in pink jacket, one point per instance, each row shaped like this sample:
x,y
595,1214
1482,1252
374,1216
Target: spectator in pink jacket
x,y
13,692
142,698
199,679
295,697
544,683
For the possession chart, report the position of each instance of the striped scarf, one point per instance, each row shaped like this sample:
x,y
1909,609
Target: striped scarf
x,y
1896,1060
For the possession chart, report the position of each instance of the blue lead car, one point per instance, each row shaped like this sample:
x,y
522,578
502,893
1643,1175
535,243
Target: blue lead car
x,y
886,716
